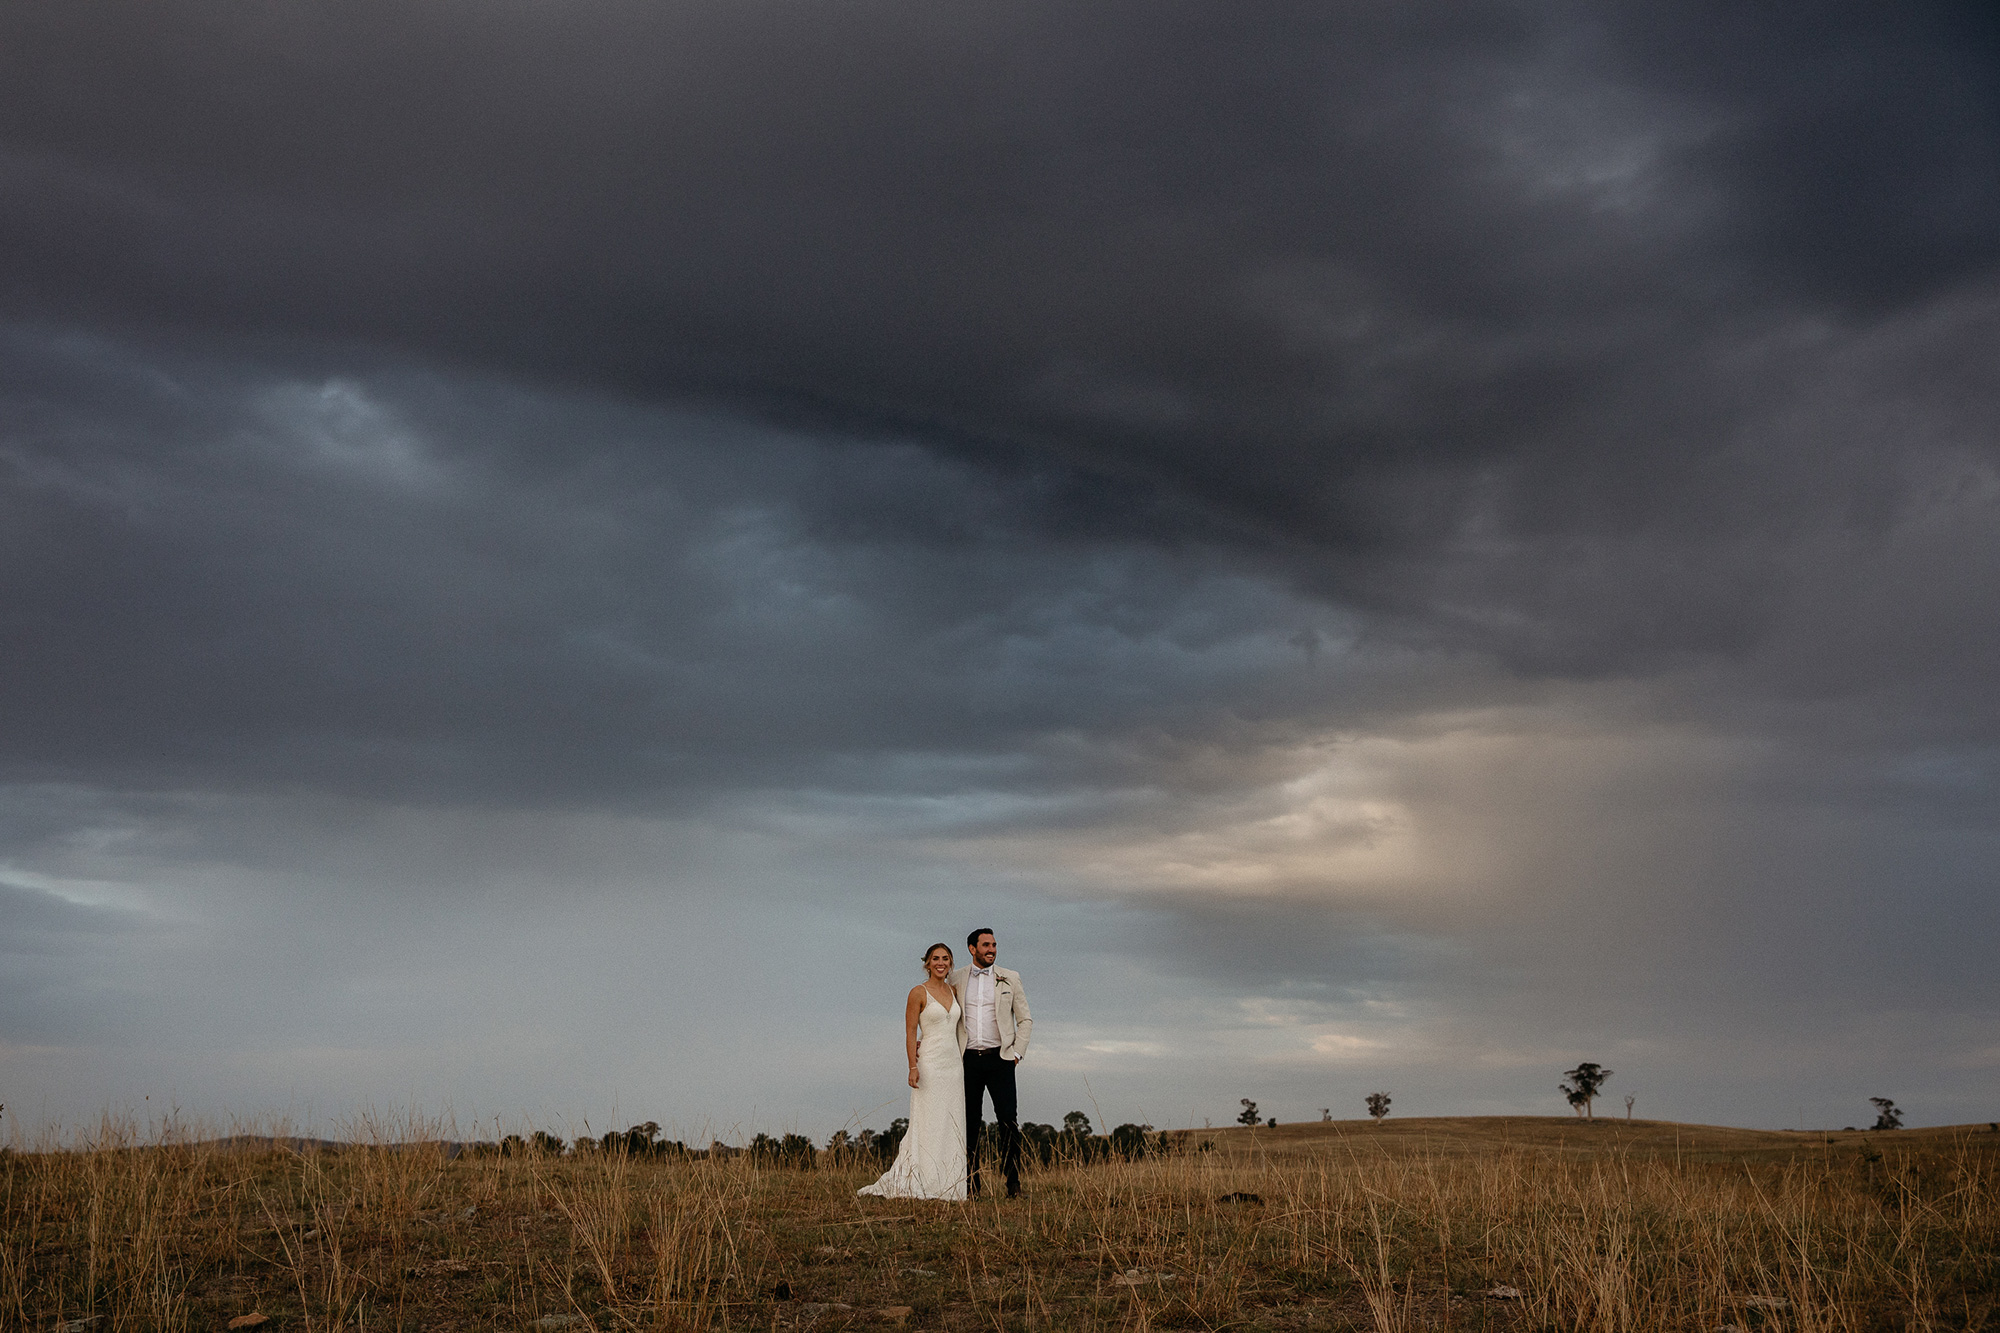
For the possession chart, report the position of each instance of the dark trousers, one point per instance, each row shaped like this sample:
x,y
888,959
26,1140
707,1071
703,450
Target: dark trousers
x,y
986,1072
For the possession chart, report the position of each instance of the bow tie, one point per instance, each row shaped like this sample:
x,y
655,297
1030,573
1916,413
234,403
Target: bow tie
x,y
982,971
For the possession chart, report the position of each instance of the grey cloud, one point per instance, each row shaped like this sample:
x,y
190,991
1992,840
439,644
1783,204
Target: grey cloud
x,y
1274,265
432,586
56,984
41,922
1319,518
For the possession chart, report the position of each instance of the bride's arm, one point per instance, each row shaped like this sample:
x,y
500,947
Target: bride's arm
x,y
912,1017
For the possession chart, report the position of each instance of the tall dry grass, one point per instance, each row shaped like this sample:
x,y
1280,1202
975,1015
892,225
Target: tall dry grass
x,y
118,1231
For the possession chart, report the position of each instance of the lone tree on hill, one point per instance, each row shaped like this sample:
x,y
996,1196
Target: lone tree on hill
x,y
1249,1116
1378,1105
1886,1114
1581,1086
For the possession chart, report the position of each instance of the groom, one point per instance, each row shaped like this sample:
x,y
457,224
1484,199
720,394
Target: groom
x,y
993,1028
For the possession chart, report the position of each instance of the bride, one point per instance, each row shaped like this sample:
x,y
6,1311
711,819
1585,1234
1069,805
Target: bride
x,y
930,1162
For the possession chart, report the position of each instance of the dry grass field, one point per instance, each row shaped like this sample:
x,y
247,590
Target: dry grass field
x,y
1514,1223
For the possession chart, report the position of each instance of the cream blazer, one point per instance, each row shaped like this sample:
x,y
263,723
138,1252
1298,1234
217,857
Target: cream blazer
x,y
1010,1011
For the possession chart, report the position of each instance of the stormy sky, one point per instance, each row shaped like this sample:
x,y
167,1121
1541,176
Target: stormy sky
x,y
548,549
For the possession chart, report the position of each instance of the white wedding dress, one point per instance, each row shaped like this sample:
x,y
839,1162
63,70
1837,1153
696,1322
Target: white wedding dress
x,y
930,1163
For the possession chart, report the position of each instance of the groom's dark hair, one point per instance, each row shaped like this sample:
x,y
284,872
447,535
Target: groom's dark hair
x,y
973,938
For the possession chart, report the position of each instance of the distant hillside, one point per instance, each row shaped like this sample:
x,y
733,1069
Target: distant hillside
x,y
1447,1135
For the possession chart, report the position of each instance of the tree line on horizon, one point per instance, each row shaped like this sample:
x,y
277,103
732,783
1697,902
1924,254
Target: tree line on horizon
x,y
1074,1140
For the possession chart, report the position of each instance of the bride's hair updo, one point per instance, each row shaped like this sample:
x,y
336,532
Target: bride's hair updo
x,y
933,949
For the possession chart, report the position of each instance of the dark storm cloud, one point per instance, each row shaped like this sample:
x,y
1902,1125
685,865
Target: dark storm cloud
x,y
1318,268
372,373
1458,531
441,587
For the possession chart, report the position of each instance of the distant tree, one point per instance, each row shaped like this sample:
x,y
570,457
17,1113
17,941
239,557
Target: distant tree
x,y
793,1151
1249,1116
1378,1105
1581,1086
1325,1115
1886,1114
546,1142
886,1143
1078,1144
513,1146
1629,1099
1129,1141
1040,1141
1272,1123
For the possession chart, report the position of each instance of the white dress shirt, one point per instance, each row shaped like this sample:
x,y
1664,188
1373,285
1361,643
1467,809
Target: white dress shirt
x,y
982,1029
